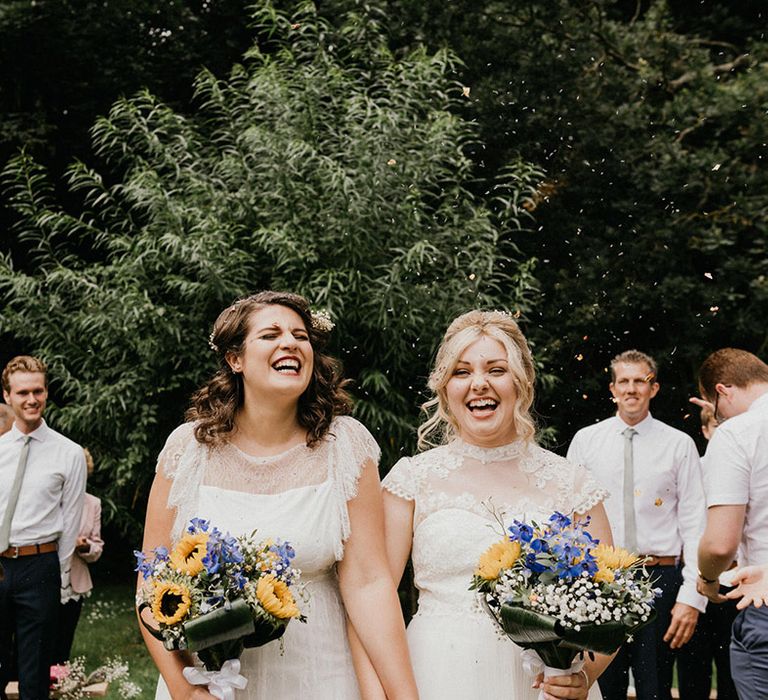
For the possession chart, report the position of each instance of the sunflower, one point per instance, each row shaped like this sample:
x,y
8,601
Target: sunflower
x,y
500,555
188,554
274,596
171,603
613,557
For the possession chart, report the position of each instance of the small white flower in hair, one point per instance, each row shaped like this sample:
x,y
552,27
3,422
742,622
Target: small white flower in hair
x,y
211,344
321,321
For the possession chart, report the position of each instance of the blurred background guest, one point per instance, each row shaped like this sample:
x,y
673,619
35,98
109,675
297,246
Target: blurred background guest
x,y
6,418
88,549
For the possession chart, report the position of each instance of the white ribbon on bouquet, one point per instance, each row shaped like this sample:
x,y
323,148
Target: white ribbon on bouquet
x,y
533,665
221,684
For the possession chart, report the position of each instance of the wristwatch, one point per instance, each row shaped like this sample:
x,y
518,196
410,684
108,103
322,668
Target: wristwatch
x,y
705,579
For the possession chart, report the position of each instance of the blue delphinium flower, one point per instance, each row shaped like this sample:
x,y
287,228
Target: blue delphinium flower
x,y
145,567
521,532
161,553
198,525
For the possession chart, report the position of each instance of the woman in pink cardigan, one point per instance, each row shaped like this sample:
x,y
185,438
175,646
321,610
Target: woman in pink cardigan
x,y
88,549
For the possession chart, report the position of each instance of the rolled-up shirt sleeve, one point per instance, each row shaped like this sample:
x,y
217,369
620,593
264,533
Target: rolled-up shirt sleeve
x,y
72,495
726,470
692,518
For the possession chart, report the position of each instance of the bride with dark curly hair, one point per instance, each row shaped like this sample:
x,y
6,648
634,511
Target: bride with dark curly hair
x,y
269,446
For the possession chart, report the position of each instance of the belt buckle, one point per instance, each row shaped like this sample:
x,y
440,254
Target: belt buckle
x,y
15,553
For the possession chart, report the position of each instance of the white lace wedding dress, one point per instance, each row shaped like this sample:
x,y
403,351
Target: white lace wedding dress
x,y
455,649
299,496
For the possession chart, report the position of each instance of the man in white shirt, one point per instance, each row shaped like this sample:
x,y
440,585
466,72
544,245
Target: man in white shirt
x,y
42,483
736,487
656,509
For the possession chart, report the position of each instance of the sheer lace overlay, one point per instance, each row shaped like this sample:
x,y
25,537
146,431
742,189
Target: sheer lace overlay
x,y
458,491
516,479
299,496
338,460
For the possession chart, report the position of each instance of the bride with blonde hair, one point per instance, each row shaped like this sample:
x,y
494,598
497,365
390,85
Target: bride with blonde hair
x,y
480,459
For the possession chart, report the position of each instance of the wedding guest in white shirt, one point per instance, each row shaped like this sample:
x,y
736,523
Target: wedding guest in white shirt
x,y
42,482
736,486
656,509
710,643
88,549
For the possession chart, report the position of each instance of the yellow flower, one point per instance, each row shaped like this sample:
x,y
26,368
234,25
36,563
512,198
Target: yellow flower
x,y
188,554
613,557
500,555
171,603
605,575
274,596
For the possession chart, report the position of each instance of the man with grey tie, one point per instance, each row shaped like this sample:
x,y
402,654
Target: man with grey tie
x,y
42,483
656,509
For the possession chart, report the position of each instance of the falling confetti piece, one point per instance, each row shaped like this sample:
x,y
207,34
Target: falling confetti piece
x,y
586,337
649,378
579,357
714,309
391,161
465,91
716,166
658,502
517,313
585,396
638,492
296,26
686,416
708,275
472,276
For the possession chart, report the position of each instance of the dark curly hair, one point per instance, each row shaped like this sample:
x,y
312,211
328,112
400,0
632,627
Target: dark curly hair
x,y
215,405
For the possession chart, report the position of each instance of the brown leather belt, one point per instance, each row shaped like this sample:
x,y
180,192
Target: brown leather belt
x,y
27,549
651,560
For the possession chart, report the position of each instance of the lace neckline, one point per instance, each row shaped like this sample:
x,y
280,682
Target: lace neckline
x,y
486,455
255,459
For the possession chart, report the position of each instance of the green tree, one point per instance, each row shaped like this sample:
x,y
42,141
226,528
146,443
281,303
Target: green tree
x,y
649,118
321,165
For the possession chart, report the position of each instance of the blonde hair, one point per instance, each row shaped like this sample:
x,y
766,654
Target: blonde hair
x,y
441,426
23,363
88,460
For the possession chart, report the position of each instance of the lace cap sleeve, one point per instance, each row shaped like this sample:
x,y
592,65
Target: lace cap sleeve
x,y
353,446
401,481
587,493
170,456
182,461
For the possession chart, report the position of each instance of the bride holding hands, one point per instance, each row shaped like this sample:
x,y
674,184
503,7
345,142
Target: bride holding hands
x,y
268,446
437,511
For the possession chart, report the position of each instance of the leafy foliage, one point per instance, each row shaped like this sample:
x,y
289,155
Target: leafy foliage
x,y
649,118
321,165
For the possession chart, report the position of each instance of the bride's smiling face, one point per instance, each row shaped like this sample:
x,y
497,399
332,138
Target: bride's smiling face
x,y
277,358
481,394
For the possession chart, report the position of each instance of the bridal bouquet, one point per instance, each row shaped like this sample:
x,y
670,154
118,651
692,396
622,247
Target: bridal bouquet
x,y
216,594
557,592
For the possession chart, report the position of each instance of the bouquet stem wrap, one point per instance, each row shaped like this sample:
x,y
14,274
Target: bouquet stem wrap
x,y
534,665
221,683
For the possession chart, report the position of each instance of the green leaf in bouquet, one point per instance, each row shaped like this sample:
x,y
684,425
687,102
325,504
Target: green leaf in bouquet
x,y
266,629
233,621
526,627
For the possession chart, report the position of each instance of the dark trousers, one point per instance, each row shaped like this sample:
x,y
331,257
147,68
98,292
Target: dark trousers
x,y
710,642
648,655
29,607
749,653
69,615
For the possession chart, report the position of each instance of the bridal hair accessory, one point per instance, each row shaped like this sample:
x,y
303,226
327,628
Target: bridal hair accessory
x,y
211,344
321,321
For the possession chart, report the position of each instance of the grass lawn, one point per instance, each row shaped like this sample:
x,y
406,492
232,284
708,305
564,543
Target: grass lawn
x,y
108,628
